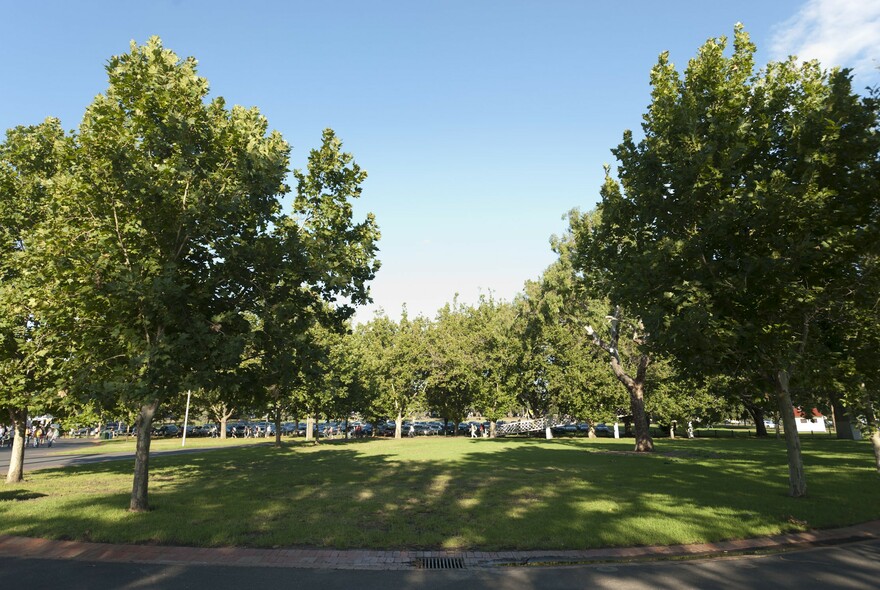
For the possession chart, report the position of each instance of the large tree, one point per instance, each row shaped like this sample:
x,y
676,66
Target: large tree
x,y
312,271
498,351
584,281
32,350
742,214
397,364
152,231
167,238
453,376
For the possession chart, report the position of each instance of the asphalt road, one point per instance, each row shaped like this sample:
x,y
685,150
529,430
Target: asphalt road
x,y
47,458
855,566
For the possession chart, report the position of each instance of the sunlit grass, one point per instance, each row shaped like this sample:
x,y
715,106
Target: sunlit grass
x,y
453,493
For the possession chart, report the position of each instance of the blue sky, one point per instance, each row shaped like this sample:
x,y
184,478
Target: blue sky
x,y
481,123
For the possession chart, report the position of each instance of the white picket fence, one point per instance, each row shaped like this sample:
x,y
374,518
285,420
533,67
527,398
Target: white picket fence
x,y
536,425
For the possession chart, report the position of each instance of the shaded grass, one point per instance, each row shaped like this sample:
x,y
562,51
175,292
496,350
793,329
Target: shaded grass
x,y
454,493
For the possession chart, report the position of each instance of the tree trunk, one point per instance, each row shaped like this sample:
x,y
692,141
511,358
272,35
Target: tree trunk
x,y
221,414
142,458
875,442
644,442
398,426
492,427
757,414
843,426
796,478
16,459
278,426
591,433
760,427
635,386
672,431
310,428
873,420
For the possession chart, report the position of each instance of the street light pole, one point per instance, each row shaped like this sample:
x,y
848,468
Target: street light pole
x,y
186,416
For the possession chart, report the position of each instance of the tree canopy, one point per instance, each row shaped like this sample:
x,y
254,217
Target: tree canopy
x,y
743,213
165,247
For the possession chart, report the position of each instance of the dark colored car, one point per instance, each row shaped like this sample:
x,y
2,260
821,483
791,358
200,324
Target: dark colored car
x,y
604,430
167,431
422,430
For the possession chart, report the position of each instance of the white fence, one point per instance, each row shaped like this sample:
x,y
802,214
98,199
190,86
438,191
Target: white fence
x,y
535,425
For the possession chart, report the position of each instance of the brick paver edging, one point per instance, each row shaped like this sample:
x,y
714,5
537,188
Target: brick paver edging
x,y
362,559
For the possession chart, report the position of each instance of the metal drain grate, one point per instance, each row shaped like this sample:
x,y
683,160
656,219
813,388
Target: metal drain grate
x,y
440,563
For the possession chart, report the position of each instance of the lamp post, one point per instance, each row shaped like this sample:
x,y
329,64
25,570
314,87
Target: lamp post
x,y
186,416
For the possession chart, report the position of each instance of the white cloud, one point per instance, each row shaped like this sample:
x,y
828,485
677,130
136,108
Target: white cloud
x,y
836,32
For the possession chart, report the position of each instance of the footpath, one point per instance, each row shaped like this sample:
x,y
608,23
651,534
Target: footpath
x,y
357,559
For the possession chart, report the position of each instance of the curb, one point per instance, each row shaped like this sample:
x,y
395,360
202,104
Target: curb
x,y
361,559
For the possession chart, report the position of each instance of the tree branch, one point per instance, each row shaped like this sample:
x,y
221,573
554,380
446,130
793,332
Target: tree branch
x,y
119,237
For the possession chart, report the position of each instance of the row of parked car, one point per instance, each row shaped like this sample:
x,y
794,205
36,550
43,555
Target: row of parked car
x,y
243,429
582,428
237,429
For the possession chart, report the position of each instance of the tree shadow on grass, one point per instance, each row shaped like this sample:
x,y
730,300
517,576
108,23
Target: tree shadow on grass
x,y
519,495
19,495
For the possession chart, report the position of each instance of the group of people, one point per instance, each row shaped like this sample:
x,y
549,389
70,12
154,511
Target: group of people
x,y
478,431
249,431
35,435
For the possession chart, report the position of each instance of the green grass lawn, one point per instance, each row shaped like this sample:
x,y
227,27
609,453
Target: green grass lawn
x,y
126,444
454,493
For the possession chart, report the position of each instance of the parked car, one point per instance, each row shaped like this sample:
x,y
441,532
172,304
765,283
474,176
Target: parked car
x,y
603,429
564,429
422,429
167,431
196,430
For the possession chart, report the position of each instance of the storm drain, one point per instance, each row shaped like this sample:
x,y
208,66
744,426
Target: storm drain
x,y
439,563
